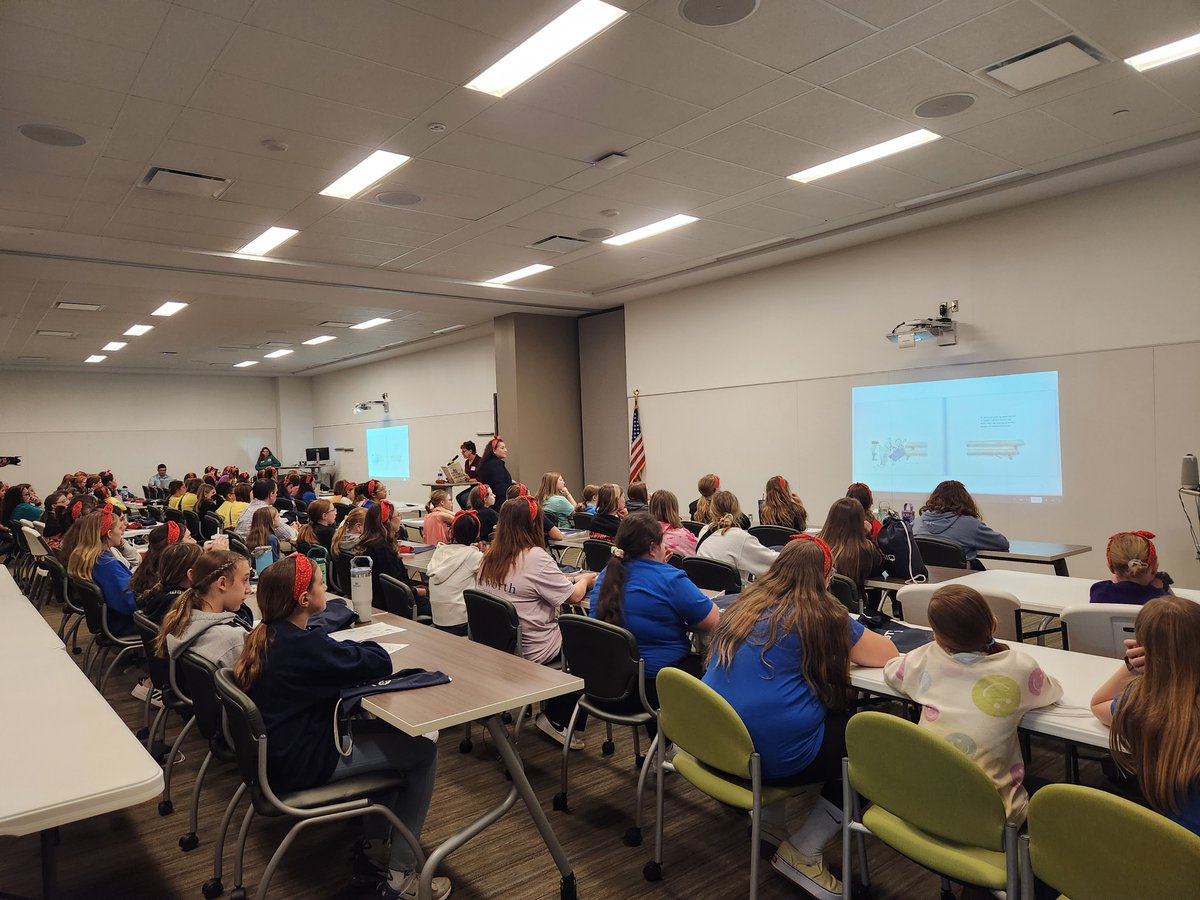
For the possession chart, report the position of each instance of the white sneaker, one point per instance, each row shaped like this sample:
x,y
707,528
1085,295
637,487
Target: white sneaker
x,y
546,727
156,698
140,690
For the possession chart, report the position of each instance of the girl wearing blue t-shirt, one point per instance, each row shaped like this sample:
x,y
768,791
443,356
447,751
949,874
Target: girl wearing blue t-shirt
x,y
657,602
92,560
781,658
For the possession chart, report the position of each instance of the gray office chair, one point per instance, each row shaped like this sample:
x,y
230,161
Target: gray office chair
x,y
940,551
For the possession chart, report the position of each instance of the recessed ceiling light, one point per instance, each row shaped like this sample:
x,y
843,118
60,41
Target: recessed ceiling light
x,y
138,330
169,308
246,364
1160,56
335,324
95,358
519,274
650,230
275,354
52,135
114,346
268,240
370,323
323,339
555,40
61,334
448,329
365,174
78,307
869,154
33,358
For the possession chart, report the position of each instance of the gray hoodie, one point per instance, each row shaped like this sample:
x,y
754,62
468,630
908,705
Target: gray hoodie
x,y
966,530
451,571
222,638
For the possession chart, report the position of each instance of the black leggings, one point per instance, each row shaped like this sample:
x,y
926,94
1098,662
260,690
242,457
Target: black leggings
x,y
826,766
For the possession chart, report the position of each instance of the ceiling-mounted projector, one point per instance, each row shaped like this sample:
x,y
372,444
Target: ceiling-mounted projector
x,y
366,405
940,328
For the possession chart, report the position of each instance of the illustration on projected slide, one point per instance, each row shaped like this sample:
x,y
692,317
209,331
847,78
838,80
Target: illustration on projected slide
x,y
1007,449
893,450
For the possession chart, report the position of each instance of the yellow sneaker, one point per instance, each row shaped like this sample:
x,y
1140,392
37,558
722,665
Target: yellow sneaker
x,y
808,874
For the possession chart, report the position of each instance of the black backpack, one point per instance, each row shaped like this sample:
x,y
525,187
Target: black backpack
x,y
901,555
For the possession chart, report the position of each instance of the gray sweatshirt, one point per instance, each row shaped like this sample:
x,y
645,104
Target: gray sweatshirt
x,y
221,643
966,530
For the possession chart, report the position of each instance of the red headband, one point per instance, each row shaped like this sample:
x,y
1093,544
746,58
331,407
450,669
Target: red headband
x,y
820,543
533,505
524,490
494,441
858,484
106,519
173,533
304,576
349,486
1147,536
716,482
385,511
782,482
76,510
483,492
371,485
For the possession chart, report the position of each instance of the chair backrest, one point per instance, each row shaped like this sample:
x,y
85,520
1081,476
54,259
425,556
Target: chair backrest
x,y
940,551
285,504
582,519
772,535
694,527
245,725
210,526
676,560
159,668
397,597
914,598
192,519
87,596
412,532
1089,843
924,780
712,575
58,577
847,593
199,674
702,723
597,553
1099,628
237,545
35,542
171,514
493,621
605,656
339,573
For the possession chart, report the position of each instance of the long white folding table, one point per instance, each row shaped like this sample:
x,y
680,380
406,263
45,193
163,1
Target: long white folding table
x,y
24,626
1048,595
1042,552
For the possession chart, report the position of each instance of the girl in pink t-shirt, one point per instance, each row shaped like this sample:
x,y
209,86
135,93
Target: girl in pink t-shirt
x,y
439,514
664,506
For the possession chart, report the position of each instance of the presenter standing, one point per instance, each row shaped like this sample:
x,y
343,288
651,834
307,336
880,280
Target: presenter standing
x,y
470,467
492,471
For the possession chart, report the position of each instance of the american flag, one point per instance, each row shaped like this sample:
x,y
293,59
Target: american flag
x,y
637,450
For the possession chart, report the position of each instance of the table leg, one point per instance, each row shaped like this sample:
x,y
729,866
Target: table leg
x,y
1060,568
49,868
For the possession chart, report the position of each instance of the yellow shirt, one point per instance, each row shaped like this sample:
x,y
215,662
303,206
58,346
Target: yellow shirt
x,y
174,502
189,502
229,512
116,503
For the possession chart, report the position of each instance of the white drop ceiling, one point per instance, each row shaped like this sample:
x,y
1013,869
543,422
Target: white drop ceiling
x,y
711,121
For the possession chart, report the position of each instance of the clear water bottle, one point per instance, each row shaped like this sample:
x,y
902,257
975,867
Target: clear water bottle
x,y
263,557
906,513
360,587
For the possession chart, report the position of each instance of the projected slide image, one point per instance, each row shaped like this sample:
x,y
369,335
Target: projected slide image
x,y
906,442
387,452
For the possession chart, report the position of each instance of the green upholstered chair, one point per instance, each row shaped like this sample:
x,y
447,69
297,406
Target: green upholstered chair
x,y
929,802
714,753
1085,843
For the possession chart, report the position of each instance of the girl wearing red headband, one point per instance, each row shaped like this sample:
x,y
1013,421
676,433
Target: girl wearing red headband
x,y
781,506
378,541
57,517
725,539
295,675
439,515
1133,561
847,531
492,468
145,576
343,493
482,499
452,569
98,533
860,492
781,656
217,585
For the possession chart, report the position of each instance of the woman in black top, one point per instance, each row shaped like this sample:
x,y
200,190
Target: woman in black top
x,y
483,500
492,470
56,515
378,541
319,529
610,509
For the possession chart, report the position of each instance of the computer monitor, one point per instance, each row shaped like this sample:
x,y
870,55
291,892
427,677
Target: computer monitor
x,y
317,454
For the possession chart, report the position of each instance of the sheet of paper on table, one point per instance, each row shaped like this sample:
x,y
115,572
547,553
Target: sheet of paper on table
x,y
366,632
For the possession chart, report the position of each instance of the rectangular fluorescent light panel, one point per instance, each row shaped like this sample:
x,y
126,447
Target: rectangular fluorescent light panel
x,y
334,324
113,346
275,354
1160,56
138,330
650,230
370,323
365,174
95,359
246,364
169,308
323,339
870,154
269,240
63,334
78,307
448,329
519,274
555,40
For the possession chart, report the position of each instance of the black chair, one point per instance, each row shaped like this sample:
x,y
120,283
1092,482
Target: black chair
x,y
339,574
398,598
676,560
285,504
774,536
582,519
72,618
88,597
210,526
493,622
607,658
847,593
191,518
341,510
710,575
332,802
694,527
174,515
237,545
940,551
597,553
198,674
160,677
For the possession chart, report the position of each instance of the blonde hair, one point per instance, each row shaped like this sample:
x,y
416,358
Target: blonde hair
x,y
356,516
781,507
548,487
707,486
1129,555
726,512
262,526
89,544
211,565
436,498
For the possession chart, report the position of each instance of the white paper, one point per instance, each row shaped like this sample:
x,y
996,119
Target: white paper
x,y
366,632
395,655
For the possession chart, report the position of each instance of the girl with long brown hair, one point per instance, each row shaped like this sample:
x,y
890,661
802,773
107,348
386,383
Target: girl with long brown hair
x,y
555,499
518,568
174,564
482,499
847,532
664,506
726,540
97,534
781,657
318,531
218,585
862,493
145,576
378,541
295,676
262,530
950,512
610,508
1152,705
781,506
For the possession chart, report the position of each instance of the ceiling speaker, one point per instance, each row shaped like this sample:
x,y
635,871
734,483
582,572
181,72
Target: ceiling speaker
x,y
397,198
712,13
52,135
944,105
596,234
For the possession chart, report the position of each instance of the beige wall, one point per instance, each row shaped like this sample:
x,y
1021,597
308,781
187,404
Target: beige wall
x,y
602,394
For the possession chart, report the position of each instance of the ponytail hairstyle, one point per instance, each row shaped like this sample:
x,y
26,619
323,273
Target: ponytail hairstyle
x,y
262,526
962,621
664,506
725,512
353,518
436,498
174,486
860,492
339,488
518,529
280,587
315,511
147,573
479,496
192,485
608,500
360,491
173,567
707,486
589,493
1131,554
781,507
638,535
514,490
465,528
846,534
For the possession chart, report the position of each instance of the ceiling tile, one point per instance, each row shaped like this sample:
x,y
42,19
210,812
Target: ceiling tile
x,y
453,111
634,188
758,148
614,266
706,239
1026,137
63,187
390,216
361,258
818,203
52,99
18,201
527,126
997,36
784,36
482,154
421,175
735,111
229,9
191,240
258,216
509,20
766,218
130,24
174,221
238,166
111,179
1181,80
883,185
141,129
1126,29
371,231
949,163
1099,111
589,210
23,155
823,118
51,54
644,52
185,49
89,218
268,195
693,170
883,13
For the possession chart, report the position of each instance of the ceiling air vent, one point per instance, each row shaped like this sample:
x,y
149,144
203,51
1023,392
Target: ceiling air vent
x,y
556,243
191,184
1044,64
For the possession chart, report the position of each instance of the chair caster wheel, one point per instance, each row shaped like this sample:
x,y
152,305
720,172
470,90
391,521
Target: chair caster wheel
x,y
633,837
652,871
566,887
78,651
560,803
608,748
189,842
506,718
237,893
212,888
165,807
466,746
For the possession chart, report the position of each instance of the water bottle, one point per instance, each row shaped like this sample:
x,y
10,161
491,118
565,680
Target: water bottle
x,y
360,587
906,513
262,558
